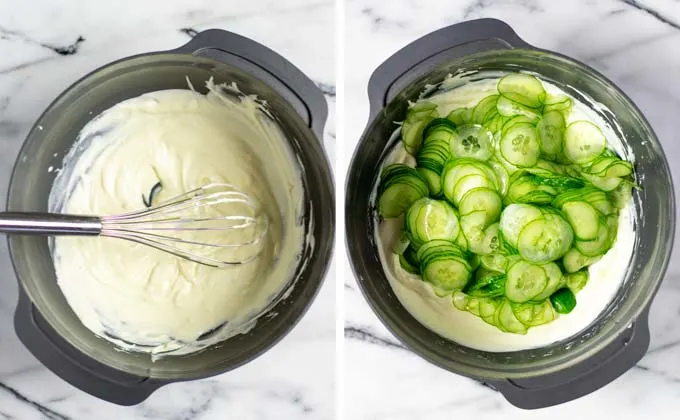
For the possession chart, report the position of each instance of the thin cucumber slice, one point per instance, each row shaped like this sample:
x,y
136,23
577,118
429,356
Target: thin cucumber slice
x,y
489,306
460,300
473,226
486,284
599,246
433,180
447,274
417,118
485,109
605,184
545,239
501,175
399,192
438,249
563,301
509,108
573,261
559,102
583,142
402,243
428,219
482,199
519,119
443,126
522,88
468,183
496,123
555,281
520,145
407,265
494,262
460,116
473,141
621,196
583,218
461,240
507,318
514,218
473,306
525,281
534,314
551,132
578,280
456,169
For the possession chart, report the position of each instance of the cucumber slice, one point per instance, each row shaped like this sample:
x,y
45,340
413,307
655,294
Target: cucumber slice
x,y
555,281
598,246
525,281
432,179
545,239
417,118
446,273
460,300
573,261
482,199
577,281
428,219
583,142
560,102
484,110
514,218
501,175
456,169
460,116
473,141
583,218
468,183
519,119
506,318
489,306
443,126
461,241
473,226
522,88
551,132
520,145
438,249
605,184
494,262
621,196
509,108
486,284
473,306
407,262
399,190
402,243
534,314
496,123
563,301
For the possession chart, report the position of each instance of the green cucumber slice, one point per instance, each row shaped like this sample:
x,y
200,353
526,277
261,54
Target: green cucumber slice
x,y
551,132
460,116
583,218
428,219
494,262
563,301
509,108
468,183
399,190
525,281
600,245
487,283
446,274
473,141
621,196
461,240
583,142
522,88
545,239
482,199
407,261
578,280
574,261
520,145
484,110
460,300
534,314
501,175
506,318
605,184
559,102
417,118
514,218
432,179
555,281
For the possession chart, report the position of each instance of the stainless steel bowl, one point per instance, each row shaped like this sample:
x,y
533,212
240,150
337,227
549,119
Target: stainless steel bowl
x,y
45,322
619,336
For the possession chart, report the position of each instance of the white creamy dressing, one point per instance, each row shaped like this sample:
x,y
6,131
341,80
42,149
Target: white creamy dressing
x,y
143,299
439,314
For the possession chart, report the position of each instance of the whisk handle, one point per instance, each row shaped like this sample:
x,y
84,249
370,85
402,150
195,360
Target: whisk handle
x,y
49,224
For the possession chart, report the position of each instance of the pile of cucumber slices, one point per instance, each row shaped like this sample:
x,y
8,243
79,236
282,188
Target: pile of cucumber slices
x,y
507,205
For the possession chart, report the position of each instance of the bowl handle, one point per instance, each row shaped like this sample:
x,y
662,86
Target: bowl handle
x,y
424,54
592,374
268,66
73,366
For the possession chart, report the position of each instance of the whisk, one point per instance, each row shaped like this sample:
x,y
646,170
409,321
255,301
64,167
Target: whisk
x,y
215,225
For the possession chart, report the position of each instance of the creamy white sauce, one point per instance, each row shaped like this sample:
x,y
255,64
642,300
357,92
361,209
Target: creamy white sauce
x,y
439,314
143,299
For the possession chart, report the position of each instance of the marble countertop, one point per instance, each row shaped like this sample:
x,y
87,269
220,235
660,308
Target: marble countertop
x,y
634,43
45,46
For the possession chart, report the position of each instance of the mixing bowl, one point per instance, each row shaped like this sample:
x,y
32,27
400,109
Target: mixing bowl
x,y
619,336
44,321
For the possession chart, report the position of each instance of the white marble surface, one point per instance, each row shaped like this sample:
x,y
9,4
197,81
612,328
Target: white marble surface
x,y
292,381
635,44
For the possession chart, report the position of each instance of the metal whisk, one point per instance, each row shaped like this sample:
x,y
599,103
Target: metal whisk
x,y
215,225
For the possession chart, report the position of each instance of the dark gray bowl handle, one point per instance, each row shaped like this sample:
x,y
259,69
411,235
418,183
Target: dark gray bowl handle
x,y
594,373
266,65
74,367
424,54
